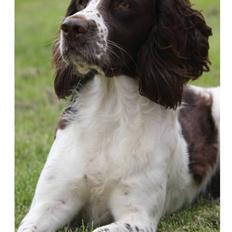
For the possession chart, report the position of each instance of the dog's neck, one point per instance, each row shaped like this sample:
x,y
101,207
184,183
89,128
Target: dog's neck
x,y
116,97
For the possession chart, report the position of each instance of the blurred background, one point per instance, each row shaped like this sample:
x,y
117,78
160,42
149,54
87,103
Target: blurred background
x,y
37,108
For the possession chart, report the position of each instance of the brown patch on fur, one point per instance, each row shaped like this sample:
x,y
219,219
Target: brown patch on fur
x,y
200,132
62,123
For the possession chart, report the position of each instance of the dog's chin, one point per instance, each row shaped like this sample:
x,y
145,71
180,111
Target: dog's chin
x,y
82,65
85,68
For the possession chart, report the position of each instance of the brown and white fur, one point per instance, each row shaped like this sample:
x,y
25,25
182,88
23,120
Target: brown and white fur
x,y
135,142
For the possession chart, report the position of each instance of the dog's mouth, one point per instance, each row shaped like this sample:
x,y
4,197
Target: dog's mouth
x,y
86,62
87,56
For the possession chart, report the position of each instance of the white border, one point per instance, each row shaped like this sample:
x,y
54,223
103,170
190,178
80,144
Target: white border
x,y
226,115
7,115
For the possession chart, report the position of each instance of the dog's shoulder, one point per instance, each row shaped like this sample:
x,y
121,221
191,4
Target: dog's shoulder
x,y
200,130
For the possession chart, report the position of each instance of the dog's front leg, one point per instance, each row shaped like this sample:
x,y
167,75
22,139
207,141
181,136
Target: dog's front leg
x,y
137,204
61,189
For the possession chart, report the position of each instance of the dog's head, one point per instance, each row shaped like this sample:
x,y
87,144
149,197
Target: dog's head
x,y
161,43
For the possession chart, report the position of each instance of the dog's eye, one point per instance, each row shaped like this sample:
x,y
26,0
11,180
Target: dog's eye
x,y
82,4
122,5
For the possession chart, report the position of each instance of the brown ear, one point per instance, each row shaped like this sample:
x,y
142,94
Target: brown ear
x,y
66,77
175,52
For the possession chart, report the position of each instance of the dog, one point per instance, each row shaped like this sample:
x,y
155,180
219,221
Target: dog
x,y
135,141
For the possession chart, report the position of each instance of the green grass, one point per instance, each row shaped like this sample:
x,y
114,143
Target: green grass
x,y
37,107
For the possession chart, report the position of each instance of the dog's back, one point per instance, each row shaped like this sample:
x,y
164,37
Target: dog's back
x,y
200,121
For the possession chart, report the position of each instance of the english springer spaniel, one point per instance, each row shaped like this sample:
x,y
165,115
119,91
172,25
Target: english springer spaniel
x,y
135,142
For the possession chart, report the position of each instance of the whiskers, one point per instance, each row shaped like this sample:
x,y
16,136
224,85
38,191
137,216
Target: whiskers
x,y
113,44
114,60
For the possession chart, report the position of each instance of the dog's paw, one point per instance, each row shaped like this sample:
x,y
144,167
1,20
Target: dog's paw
x,y
103,229
125,227
28,228
114,227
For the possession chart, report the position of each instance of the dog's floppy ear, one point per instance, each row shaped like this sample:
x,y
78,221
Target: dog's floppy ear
x,y
175,52
66,77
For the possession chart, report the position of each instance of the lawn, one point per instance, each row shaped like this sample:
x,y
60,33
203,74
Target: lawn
x,y
37,108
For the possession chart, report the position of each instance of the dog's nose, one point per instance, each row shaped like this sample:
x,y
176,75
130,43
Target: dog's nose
x,y
75,25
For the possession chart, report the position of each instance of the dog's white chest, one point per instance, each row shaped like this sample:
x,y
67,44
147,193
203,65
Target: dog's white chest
x,y
115,136
117,133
